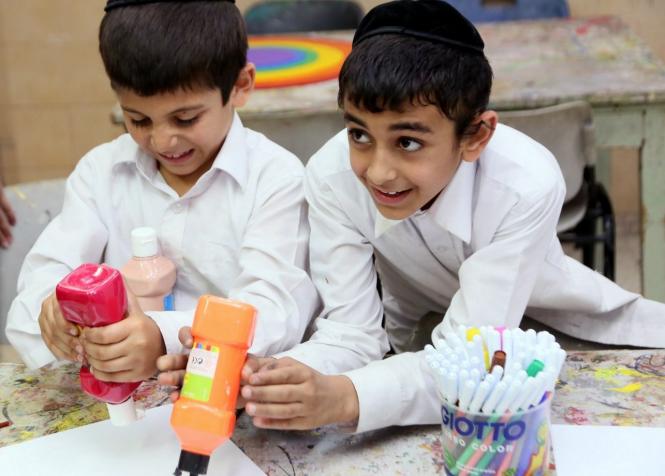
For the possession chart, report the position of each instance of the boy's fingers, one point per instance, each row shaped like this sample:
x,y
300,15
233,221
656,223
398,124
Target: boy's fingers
x,y
185,336
279,411
273,393
104,335
133,305
102,353
173,378
169,362
174,396
283,424
123,376
253,365
7,207
59,349
286,375
121,364
5,231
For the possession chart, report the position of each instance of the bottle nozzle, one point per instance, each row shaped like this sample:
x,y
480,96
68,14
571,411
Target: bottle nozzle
x,y
195,464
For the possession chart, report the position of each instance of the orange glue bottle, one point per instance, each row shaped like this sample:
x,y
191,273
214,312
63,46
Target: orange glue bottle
x,y
205,414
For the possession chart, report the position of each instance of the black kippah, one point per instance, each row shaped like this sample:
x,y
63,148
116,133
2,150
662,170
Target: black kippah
x,y
433,20
112,4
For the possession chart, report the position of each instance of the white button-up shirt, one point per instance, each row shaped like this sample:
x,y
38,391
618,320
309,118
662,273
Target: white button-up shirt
x,y
241,232
484,253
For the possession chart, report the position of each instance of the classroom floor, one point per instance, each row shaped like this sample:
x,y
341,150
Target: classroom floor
x,y
627,274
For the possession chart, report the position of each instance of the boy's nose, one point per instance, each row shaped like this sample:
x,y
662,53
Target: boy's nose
x,y
381,170
163,140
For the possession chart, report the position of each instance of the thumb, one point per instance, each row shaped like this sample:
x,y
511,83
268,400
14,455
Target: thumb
x,y
133,306
185,336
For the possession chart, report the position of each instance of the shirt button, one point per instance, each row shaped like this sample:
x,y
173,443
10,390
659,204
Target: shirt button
x,y
178,208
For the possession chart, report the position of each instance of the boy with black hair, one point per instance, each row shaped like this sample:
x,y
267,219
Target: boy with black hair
x,y
458,212
227,203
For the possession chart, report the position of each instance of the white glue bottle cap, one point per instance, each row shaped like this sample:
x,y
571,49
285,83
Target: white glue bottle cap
x,y
144,242
122,414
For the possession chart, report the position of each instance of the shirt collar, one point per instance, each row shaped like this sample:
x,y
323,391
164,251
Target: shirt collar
x,y
453,207
232,158
383,224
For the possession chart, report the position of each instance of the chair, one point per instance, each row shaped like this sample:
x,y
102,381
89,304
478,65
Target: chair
x,y
479,11
288,16
35,204
587,217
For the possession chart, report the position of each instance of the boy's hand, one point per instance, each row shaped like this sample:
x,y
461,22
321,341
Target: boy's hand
x,y
59,335
7,220
125,351
288,395
172,366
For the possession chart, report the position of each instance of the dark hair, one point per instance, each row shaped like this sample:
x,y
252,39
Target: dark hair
x,y
162,47
386,72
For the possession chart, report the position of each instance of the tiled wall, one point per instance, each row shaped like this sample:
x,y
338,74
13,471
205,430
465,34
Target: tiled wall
x,y
54,96
55,99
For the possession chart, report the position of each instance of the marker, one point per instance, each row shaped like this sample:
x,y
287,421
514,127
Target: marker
x,y
493,398
497,372
451,387
5,424
509,396
498,359
524,394
534,368
466,394
479,397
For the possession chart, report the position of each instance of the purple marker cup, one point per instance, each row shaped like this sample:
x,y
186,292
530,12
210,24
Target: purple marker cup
x,y
488,444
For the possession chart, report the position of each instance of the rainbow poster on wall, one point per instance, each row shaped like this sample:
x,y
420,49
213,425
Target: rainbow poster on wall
x,y
283,61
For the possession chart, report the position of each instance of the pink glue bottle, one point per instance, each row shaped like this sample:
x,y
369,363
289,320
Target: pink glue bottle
x,y
149,276
90,296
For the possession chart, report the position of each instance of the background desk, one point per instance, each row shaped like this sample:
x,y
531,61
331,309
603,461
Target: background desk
x,y
535,64
602,388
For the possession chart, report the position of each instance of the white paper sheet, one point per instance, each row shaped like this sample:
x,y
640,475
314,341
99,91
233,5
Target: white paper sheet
x,y
608,450
148,447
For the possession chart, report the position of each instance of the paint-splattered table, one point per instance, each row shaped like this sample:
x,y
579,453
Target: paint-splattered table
x,y
615,387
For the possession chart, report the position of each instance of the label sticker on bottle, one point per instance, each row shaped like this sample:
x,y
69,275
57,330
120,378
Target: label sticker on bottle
x,y
200,372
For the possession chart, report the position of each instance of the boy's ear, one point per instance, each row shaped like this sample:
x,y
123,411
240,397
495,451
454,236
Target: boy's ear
x,y
244,85
473,145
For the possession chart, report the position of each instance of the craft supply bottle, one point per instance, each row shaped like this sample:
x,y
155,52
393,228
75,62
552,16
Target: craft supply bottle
x,y
91,296
150,276
204,416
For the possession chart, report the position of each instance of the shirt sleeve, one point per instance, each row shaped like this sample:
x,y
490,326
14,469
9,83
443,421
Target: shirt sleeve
x,y
497,280
396,391
170,323
349,333
75,236
273,262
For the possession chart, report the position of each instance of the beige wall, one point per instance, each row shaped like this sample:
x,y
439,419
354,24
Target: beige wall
x,y
54,96
55,99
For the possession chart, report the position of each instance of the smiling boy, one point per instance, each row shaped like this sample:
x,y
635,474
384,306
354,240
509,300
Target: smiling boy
x,y
455,212
226,202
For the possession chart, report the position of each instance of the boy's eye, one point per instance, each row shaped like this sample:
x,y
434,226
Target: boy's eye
x,y
187,122
145,122
358,136
408,144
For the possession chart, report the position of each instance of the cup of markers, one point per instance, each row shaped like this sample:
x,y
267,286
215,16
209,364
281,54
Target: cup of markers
x,y
496,387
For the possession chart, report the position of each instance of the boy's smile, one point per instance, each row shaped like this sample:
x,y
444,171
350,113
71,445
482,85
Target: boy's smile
x,y
405,158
